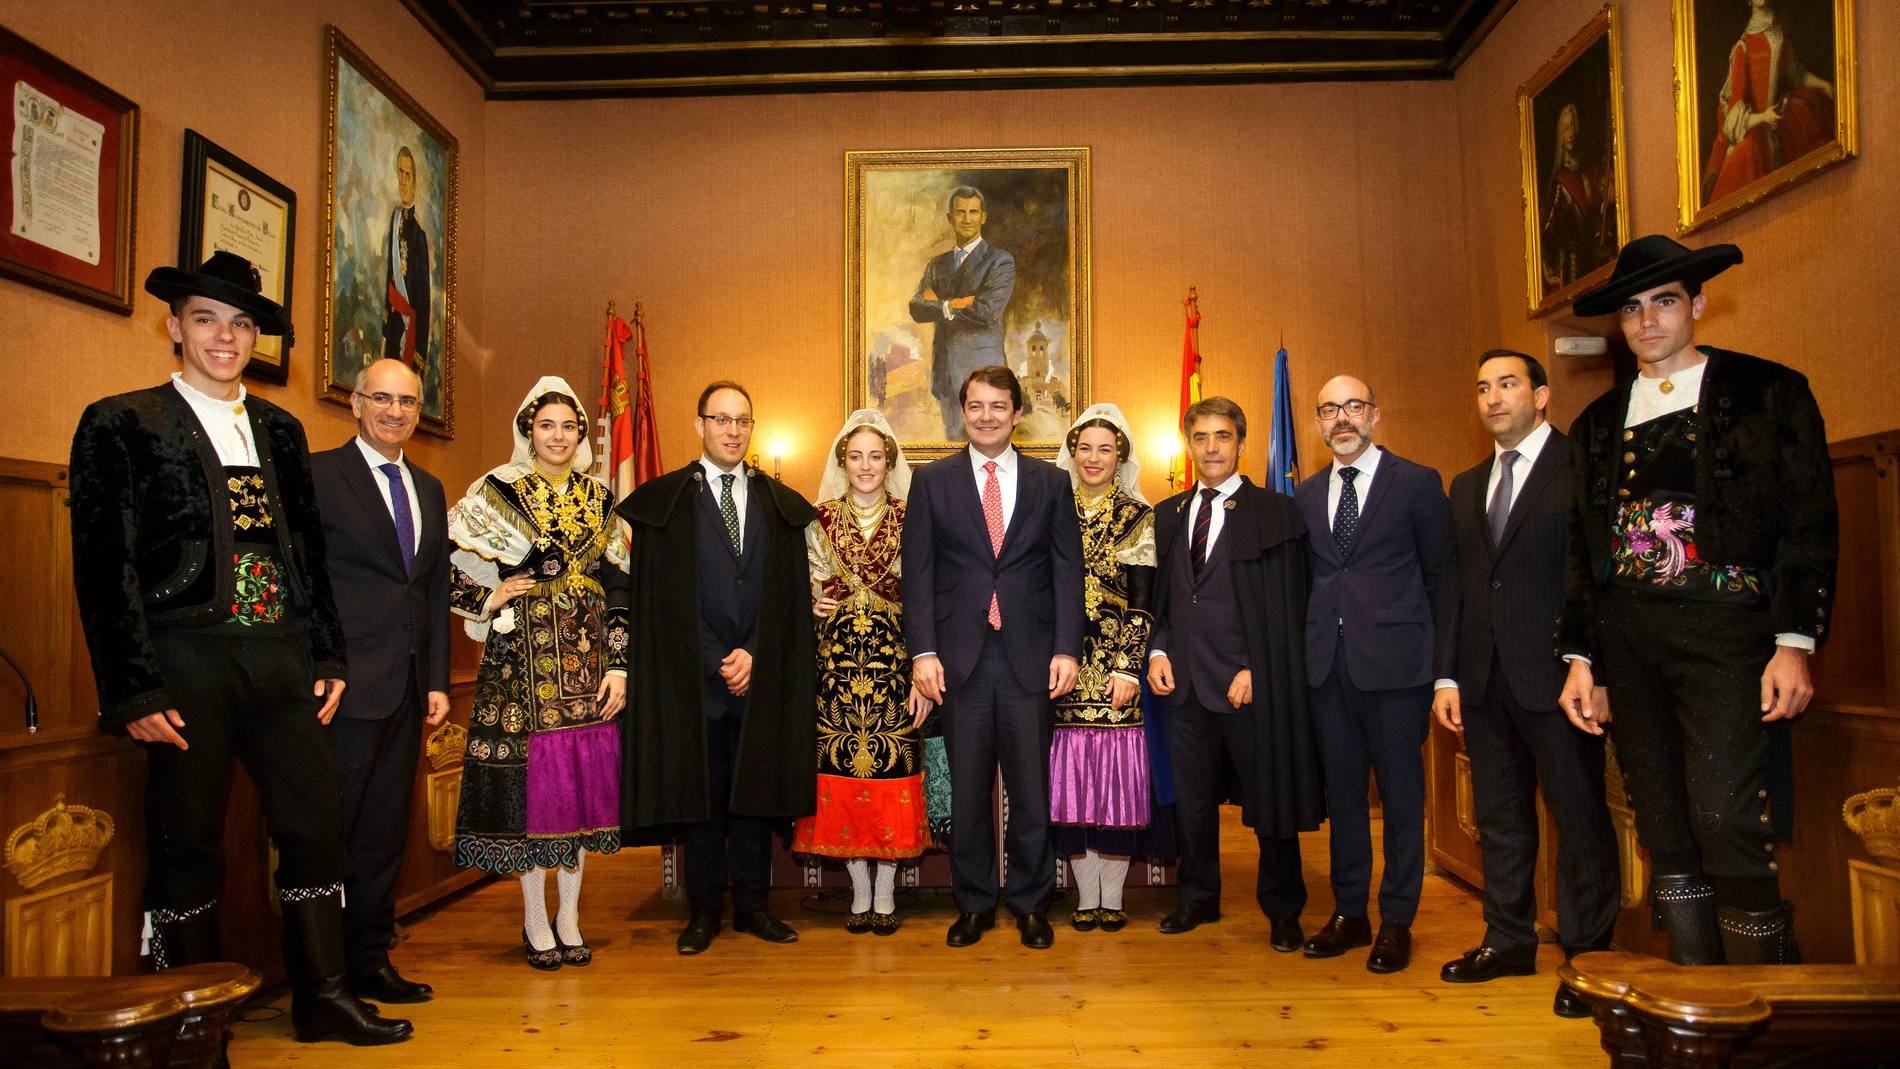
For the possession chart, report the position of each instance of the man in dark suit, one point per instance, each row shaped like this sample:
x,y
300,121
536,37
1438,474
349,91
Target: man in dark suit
x,y
1500,590
385,529
1375,523
964,292
993,613
1231,606
406,275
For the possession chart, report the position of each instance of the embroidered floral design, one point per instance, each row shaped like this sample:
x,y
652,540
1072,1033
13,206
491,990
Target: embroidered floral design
x,y
1654,542
1116,636
259,597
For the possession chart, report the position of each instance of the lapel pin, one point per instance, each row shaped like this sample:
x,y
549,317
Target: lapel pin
x,y
1229,506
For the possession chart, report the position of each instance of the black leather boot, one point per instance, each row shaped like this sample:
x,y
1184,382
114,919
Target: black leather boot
x,y
320,1000
1764,938
187,939
1684,906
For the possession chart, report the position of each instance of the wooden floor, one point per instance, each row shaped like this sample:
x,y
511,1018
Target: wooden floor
x,y
1216,996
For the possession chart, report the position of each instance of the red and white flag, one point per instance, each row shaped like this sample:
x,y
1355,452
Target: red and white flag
x,y
632,453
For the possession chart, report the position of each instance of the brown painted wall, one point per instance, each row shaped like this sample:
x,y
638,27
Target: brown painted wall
x,y
248,76
1820,271
1328,213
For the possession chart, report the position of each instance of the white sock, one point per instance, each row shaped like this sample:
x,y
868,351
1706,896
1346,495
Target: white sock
x,y
1114,873
568,920
1088,880
886,901
860,870
534,893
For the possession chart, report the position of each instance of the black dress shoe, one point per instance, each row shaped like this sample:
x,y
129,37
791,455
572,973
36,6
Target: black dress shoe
x,y
1187,918
1392,951
858,923
969,927
1569,1003
760,922
1112,920
1037,935
546,960
1287,934
1340,935
1085,920
1488,963
575,954
387,985
699,930
884,923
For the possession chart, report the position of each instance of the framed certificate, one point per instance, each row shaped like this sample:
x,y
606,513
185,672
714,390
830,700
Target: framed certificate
x,y
66,192
231,206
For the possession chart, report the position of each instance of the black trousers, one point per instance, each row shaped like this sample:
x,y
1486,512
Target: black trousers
x,y
1512,750
1384,731
376,764
1685,702
242,693
1200,742
727,846
988,722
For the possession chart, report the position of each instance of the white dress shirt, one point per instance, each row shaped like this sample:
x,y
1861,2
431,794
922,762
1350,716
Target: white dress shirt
x,y
376,461
1005,478
1527,453
1191,515
968,251
225,423
1367,465
1648,401
714,475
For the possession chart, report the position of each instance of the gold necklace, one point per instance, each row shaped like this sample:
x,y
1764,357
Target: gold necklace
x,y
870,512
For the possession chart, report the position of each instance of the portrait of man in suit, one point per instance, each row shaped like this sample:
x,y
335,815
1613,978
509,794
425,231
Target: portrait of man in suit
x,y
406,273
964,292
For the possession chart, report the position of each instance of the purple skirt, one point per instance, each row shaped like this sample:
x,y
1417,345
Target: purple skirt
x,y
574,781
1099,776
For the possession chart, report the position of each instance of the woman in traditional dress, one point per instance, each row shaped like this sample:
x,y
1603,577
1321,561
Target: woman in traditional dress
x,y
1101,804
870,762
538,573
1771,110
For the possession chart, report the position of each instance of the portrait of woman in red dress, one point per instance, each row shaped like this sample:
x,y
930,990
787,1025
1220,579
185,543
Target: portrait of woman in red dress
x,y
1771,109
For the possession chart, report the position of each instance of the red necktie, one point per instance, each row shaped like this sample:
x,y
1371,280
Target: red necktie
x,y
993,515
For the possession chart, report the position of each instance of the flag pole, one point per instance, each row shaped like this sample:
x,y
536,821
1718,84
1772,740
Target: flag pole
x,y
601,417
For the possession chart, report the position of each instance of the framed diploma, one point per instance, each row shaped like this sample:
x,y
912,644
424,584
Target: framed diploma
x,y
231,206
67,191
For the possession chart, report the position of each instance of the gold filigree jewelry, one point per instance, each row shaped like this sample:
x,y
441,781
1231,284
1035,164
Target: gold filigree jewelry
x,y
1667,386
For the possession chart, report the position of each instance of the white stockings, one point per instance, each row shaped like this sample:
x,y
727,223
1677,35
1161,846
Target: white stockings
x,y
1098,880
568,920
860,870
886,900
534,894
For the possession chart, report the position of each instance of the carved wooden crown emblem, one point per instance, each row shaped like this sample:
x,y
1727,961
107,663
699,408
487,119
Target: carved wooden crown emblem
x,y
444,748
1874,816
61,840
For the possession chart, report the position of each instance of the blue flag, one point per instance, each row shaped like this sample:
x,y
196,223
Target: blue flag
x,y
1283,452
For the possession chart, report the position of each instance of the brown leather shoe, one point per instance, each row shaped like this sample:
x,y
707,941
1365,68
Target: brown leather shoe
x,y
1340,935
1392,951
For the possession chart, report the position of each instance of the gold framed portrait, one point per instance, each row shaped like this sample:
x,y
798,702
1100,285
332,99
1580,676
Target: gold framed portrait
x,y
1765,100
1576,177
961,258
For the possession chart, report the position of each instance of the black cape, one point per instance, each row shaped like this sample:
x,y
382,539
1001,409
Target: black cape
x,y
663,732
1266,553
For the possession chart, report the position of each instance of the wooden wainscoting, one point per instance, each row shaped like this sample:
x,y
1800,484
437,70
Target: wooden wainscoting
x,y
86,919
1848,742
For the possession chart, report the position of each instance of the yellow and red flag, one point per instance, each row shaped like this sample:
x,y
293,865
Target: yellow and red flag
x,y
632,453
1190,384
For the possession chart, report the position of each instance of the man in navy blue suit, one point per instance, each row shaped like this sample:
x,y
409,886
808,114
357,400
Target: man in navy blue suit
x,y
965,292
1375,524
993,617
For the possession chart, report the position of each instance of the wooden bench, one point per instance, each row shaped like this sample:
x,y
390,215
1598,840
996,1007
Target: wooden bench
x,y
176,1019
1655,1013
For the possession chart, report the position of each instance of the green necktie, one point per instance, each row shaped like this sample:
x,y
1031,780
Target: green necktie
x,y
729,510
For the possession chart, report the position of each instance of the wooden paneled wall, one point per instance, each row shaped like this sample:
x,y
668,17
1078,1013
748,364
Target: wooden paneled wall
x,y
54,926
1848,742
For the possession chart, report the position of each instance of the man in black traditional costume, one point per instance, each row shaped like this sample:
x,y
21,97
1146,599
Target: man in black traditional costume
x,y
721,732
198,560
1230,605
1702,547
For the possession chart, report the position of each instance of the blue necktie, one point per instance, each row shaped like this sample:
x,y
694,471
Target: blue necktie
x,y
961,253
399,504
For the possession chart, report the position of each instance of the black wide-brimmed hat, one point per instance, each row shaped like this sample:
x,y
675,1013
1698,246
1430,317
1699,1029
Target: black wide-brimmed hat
x,y
1654,261
227,278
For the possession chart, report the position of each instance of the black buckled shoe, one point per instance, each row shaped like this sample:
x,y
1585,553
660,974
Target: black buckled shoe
x,y
760,922
1340,935
1288,936
388,985
1037,935
1480,964
701,927
1187,918
1568,1003
969,927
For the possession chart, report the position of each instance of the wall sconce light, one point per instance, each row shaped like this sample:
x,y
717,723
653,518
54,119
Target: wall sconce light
x,y
1169,446
778,456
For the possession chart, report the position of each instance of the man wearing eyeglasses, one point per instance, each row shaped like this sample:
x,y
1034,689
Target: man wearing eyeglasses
x,y
385,531
720,740
1375,523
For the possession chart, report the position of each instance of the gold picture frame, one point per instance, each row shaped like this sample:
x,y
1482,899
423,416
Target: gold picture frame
x,y
1718,177
898,240
1575,162
371,128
